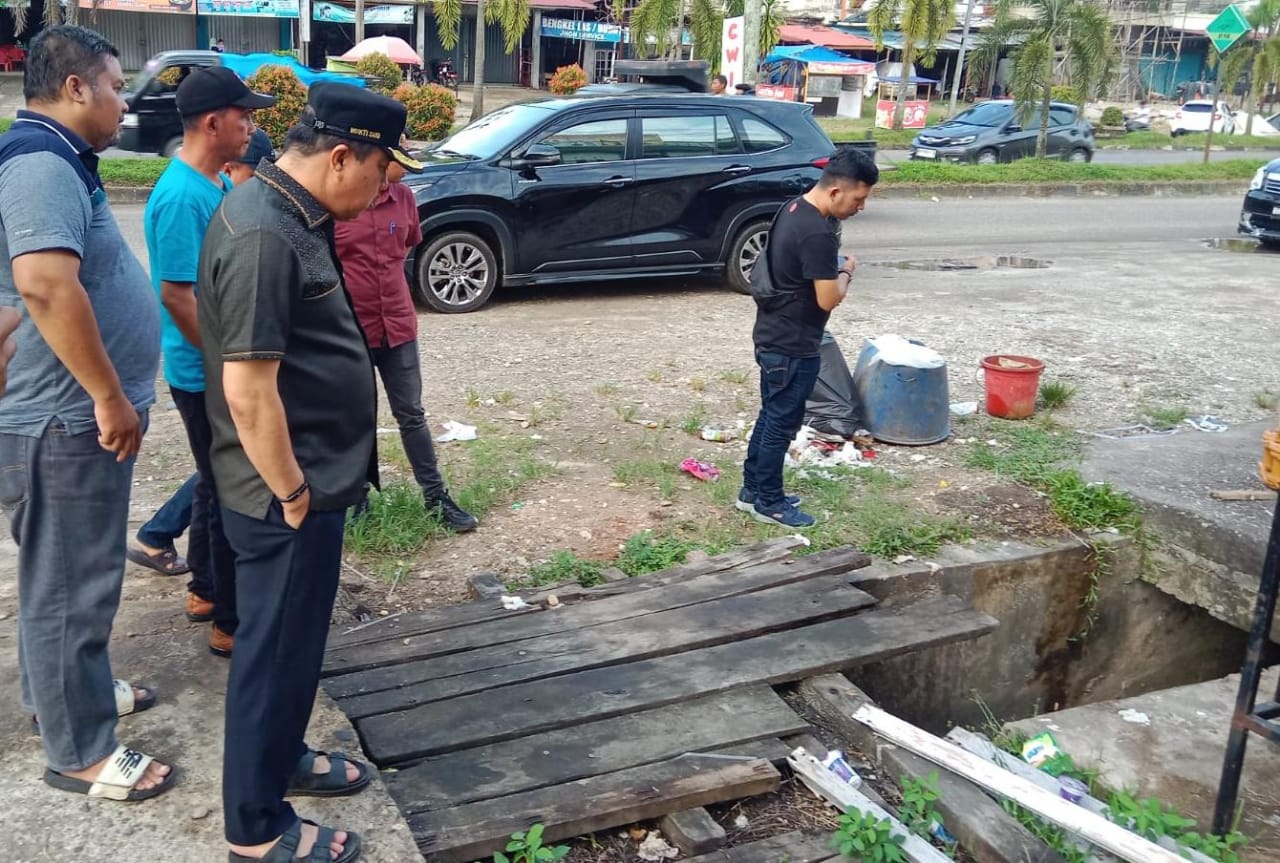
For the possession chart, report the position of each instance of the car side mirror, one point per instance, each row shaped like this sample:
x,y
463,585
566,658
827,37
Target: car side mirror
x,y
537,156
1013,127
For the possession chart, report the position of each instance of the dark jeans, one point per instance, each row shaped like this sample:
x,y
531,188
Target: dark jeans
x,y
785,385
402,379
171,520
213,574
68,505
287,581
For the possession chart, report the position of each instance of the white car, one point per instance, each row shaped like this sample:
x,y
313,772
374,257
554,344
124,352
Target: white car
x,y
1193,116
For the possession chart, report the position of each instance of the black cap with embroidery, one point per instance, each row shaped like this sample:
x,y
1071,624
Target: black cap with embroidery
x,y
353,113
212,88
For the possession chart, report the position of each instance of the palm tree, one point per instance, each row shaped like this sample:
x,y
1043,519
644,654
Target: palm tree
x,y
1265,20
924,23
706,25
1040,30
511,15
52,14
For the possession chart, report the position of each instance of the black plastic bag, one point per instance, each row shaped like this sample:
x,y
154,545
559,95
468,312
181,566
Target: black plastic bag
x,y
834,407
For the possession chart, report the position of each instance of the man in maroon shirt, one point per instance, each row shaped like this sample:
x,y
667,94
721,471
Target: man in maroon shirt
x,y
372,248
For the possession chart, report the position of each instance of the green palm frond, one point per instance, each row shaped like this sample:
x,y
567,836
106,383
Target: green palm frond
x,y
448,15
19,13
656,19
1032,67
513,17
883,16
706,23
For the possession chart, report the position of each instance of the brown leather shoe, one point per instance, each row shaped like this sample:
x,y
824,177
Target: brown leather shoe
x,y
219,642
198,610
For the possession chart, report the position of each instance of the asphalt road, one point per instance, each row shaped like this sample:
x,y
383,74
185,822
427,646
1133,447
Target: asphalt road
x,y
1138,157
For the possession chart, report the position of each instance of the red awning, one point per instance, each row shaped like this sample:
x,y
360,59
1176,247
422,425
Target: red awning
x,y
584,5
828,37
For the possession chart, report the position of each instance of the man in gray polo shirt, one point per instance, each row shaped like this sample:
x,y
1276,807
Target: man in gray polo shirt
x,y
76,408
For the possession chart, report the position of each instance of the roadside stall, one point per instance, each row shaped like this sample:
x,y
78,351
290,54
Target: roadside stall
x,y
830,81
919,91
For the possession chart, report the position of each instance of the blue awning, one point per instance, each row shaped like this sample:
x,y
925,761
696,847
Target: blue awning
x,y
808,54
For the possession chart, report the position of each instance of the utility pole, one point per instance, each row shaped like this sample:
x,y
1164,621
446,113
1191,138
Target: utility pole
x,y
751,12
964,47
359,21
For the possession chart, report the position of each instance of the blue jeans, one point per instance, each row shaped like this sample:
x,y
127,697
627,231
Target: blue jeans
x,y
67,500
172,519
785,385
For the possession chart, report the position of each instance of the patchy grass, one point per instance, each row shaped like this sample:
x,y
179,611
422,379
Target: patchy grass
x,y
1160,140
505,397
653,376
648,552
1044,460
1056,394
692,422
698,385
495,468
606,389
1166,416
650,474
473,399
563,566
736,377
396,522
1054,171
626,413
131,172
1267,399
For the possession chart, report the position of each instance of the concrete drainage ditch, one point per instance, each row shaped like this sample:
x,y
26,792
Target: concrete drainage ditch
x,y
980,264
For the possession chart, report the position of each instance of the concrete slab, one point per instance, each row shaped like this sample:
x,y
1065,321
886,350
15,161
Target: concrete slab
x,y
1214,549
154,644
1170,747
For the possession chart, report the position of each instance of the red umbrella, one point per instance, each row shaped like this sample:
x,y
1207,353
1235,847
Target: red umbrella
x,y
397,49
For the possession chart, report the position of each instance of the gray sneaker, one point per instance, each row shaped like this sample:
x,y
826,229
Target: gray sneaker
x,y
786,515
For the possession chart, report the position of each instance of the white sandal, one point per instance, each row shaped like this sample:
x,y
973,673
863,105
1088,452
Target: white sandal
x,y
123,770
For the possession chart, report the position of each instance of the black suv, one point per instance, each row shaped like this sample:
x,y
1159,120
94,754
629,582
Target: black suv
x,y
989,133
569,190
1260,215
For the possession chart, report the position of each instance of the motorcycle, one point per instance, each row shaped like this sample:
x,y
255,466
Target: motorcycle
x,y
418,76
442,72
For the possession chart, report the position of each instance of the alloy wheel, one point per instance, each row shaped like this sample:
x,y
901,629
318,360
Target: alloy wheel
x,y
750,253
458,273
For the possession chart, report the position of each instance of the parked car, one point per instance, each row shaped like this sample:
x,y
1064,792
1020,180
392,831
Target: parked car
x,y
152,124
990,132
1260,214
1193,116
571,190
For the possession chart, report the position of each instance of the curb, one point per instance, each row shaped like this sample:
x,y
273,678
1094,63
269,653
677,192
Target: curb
x,y
1098,189
139,194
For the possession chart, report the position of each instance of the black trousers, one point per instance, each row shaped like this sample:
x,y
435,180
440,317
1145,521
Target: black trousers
x,y
402,379
210,557
286,581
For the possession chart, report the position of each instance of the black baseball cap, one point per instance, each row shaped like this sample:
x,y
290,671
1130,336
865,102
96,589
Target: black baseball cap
x,y
351,112
259,148
212,88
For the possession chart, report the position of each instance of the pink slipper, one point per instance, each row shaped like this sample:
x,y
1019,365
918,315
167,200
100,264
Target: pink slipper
x,y
702,470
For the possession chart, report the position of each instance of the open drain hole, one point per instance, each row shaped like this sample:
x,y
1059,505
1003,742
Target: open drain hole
x,y
1239,244
988,262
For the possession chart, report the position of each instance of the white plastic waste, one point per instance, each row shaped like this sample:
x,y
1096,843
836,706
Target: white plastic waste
x,y
893,349
457,431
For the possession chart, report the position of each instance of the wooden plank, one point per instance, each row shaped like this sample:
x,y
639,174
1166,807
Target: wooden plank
x,y
395,687
693,831
796,847
1094,828
585,614
986,831
466,614
474,831
527,708
844,796
711,724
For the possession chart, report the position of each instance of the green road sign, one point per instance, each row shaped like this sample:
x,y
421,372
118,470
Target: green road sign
x,y
1227,28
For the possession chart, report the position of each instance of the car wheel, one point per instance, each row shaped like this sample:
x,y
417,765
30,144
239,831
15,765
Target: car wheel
x,y
1079,154
744,253
987,157
1270,245
171,147
457,272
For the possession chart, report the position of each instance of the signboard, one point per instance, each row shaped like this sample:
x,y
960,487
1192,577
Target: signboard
x,y
913,114
340,14
182,7
1225,30
776,91
731,44
583,31
823,68
251,8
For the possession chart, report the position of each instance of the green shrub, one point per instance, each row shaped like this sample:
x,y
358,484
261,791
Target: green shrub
x,y
291,98
383,73
1065,93
567,80
1113,116
431,110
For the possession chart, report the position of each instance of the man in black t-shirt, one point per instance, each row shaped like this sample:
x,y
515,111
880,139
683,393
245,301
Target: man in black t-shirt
x,y
806,267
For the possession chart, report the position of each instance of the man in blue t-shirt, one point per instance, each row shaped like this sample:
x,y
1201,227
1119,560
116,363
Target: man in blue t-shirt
x,y
217,117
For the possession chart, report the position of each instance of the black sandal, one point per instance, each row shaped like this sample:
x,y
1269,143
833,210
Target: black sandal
x,y
166,561
305,782
287,845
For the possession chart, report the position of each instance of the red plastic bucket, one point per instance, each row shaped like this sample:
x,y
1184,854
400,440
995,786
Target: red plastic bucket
x,y
1012,384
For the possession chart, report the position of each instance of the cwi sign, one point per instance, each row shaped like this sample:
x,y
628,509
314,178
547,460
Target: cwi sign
x,y
731,43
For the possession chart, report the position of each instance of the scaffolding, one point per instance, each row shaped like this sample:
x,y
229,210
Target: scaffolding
x,y
1149,37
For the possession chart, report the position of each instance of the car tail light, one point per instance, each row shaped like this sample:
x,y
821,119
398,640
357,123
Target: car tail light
x,y
1177,115
1217,117
821,163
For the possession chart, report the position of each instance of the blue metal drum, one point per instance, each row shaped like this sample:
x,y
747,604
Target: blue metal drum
x,y
901,404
